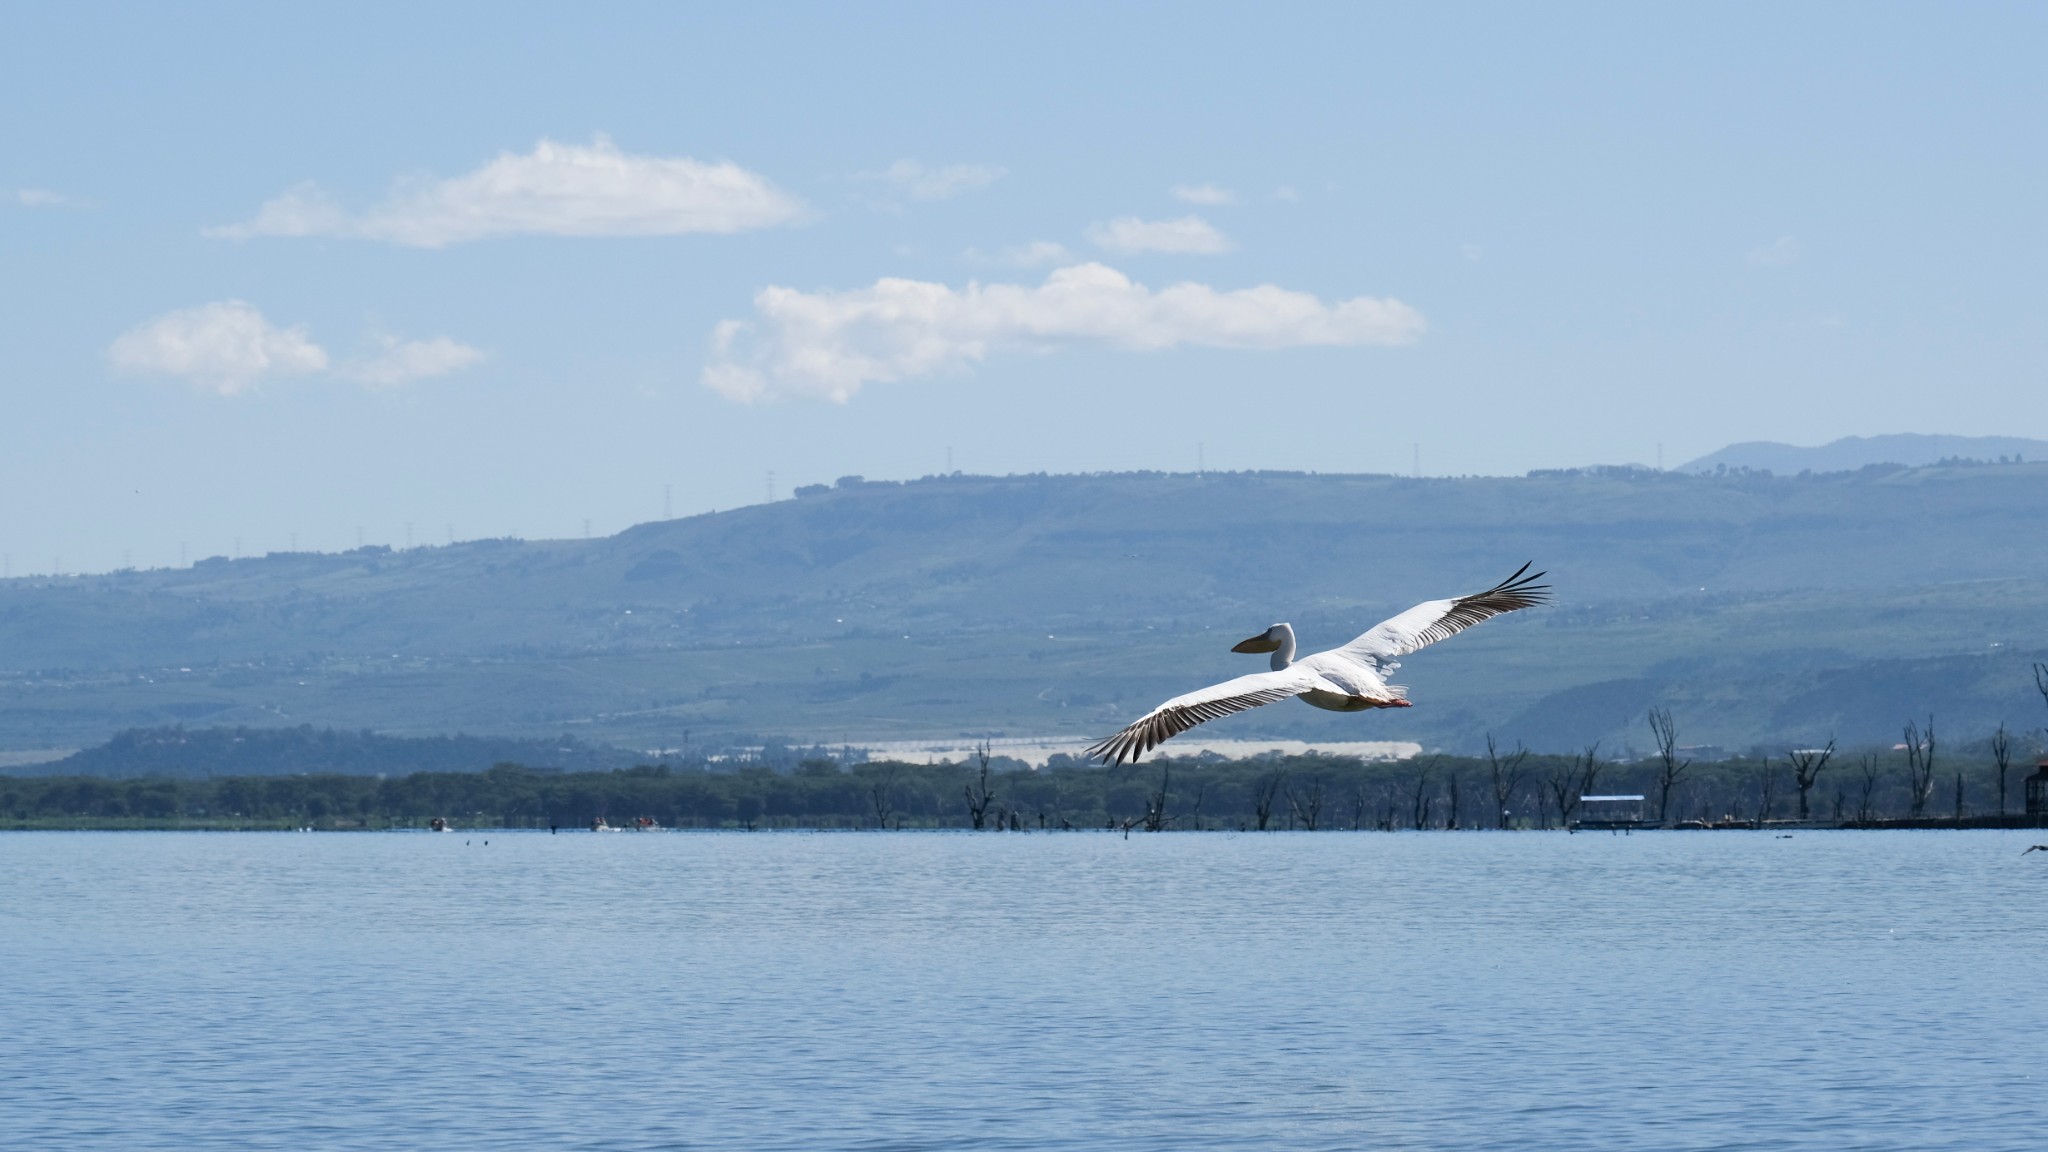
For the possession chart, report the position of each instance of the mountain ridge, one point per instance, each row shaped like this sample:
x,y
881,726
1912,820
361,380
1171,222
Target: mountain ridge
x,y
1907,449
1760,606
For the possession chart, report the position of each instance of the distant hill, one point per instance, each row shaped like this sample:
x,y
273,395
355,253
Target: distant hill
x,y
1911,449
1759,608
179,752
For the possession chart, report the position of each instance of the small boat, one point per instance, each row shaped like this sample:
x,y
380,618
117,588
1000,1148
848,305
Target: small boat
x,y
438,824
597,824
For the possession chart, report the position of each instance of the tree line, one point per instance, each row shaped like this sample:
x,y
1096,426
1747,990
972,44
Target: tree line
x,y
1509,787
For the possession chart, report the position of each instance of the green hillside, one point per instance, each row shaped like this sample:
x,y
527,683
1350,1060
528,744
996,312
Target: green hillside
x,y
1757,607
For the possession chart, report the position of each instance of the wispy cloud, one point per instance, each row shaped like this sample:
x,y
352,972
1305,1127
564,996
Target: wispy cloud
x,y
828,345
400,362
1207,194
555,190
228,347
43,198
919,181
1778,253
1036,254
1189,235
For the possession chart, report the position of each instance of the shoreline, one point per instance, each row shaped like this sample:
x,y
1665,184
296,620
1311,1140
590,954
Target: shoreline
x,y
98,824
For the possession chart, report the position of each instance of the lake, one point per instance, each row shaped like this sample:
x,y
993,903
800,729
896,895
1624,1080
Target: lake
x,y
1834,990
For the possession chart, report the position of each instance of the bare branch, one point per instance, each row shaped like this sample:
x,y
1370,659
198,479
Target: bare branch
x,y
1507,772
1419,800
1570,782
1863,810
1670,770
1155,806
980,796
1307,802
1806,765
1920,765
2001,755
1266,790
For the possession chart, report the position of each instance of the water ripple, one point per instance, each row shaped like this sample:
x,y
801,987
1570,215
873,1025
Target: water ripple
x,y
881,992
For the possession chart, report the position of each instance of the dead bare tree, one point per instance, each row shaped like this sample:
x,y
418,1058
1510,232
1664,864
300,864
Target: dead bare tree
x,y
881,785
1806,765
1307,801
1959,797
2001,755
1863,812
1920,765
1570,782
1155,804
1451,819
981,795
1767,783
1590,768
1195,813
1670,769
1059,811
1419,800
1507,776
1265,791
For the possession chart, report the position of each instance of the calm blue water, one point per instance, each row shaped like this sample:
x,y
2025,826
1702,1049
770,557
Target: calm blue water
x,y
935,991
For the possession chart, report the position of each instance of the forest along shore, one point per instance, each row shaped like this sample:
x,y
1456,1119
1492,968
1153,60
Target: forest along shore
x,y
1881,788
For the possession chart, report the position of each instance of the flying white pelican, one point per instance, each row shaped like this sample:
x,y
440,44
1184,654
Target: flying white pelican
x,y
1348,679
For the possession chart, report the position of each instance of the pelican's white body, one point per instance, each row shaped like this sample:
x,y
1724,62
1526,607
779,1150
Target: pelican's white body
x,y
1337,680
1352,678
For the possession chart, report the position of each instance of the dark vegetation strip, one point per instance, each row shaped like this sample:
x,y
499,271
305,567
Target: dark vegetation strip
x,y
1314,793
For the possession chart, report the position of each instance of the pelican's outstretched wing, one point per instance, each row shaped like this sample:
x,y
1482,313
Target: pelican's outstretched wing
x,y
1184,712
1433,620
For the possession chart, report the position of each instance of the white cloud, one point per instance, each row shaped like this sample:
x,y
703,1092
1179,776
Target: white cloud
x,y
229,347
922,182
1189,235
226,347
1036,254
1778,253
1286,193
827,345
42,198
1208,194
302,211
1472,252
555,190
402,362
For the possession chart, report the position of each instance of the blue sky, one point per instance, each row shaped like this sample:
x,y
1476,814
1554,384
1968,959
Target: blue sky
x,y
277,274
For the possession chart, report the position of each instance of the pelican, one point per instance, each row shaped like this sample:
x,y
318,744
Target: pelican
x,y
1348,679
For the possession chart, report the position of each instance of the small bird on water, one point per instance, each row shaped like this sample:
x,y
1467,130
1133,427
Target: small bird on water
x,y
1347,679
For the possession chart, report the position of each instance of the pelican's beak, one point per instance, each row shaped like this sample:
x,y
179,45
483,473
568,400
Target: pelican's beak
x,y
1259,643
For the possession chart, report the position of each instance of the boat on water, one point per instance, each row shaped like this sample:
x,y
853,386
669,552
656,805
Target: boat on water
x,y
438,824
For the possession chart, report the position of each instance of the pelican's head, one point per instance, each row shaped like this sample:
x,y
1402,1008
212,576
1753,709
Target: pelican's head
x,y
1267,641
1279,640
